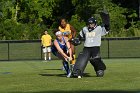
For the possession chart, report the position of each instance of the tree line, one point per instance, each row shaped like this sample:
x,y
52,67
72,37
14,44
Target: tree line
x,y
27,19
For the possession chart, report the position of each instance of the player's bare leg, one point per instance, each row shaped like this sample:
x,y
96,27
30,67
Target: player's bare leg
x,y
49,55
72,63
45,56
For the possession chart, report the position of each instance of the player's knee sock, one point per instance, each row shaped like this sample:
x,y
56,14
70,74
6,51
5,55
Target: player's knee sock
x,y
45,56
66,66
49,58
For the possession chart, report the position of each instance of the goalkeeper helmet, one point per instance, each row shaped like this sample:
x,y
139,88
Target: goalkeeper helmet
x,y
92,21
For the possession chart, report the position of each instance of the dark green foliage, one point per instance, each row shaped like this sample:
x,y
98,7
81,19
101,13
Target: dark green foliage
x,y
27,19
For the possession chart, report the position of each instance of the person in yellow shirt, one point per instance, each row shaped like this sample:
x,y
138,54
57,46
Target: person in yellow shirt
x,y
70,32
46,41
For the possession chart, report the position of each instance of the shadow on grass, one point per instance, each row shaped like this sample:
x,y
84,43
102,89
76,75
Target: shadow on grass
x,y
52,69
113,91
63,75
59,75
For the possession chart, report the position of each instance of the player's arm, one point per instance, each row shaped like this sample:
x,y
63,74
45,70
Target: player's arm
x,y
80,37
106,22
60,50
104,31
73,31
68,46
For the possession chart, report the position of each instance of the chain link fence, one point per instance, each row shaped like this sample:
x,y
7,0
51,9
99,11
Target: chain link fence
x,y
31,49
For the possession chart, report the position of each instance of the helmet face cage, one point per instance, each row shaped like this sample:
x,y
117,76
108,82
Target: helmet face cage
x,y
92,21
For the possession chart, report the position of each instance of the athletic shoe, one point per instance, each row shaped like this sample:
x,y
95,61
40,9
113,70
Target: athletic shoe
x,y
49,59
69,75
79,77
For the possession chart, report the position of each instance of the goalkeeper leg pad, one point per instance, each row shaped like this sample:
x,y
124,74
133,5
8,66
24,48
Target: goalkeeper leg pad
x,y
80,64
99,66
100,73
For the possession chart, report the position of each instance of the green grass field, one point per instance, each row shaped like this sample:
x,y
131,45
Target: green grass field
x,y
121,76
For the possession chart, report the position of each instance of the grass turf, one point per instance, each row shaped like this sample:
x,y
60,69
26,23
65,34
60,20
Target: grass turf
x,y
122,75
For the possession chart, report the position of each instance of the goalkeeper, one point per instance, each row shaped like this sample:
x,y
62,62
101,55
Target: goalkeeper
x,y
91,35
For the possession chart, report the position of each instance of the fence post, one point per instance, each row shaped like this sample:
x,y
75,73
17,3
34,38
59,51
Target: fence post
x,y
8,52
108,49
41,51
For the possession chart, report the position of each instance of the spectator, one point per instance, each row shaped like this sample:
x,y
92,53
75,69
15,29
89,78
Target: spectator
x,y
46,41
